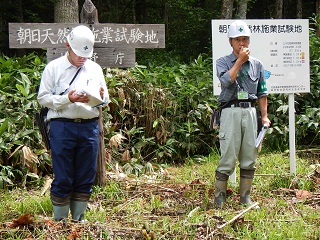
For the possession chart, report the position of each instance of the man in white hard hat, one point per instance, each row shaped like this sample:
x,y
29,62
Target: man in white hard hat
x,y
242,87
74,124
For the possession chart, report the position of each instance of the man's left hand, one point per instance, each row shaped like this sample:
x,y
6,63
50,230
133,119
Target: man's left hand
x,y
101,92
266,121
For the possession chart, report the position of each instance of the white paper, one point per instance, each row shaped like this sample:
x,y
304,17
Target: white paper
x,y
94,99
261,135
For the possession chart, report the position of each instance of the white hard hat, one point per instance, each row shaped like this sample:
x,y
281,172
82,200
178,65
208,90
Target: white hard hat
x,y
81,40
238,28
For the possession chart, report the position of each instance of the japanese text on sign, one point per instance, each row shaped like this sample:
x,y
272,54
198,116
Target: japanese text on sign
x,y
289,88
105,35
265,28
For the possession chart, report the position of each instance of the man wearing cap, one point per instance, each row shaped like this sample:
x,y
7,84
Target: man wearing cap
x,y
242,86
74,124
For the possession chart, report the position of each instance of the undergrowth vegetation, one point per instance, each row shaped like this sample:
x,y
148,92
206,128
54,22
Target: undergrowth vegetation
x,y
159,113
177,203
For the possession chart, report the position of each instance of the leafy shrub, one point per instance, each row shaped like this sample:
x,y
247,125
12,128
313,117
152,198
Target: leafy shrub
x,y
18,82
307,109
163,111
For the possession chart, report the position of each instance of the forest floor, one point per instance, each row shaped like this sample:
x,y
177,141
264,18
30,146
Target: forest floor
x,y
177,203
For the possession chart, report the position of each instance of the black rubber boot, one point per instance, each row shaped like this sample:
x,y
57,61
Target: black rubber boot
x,y
246,179
220,192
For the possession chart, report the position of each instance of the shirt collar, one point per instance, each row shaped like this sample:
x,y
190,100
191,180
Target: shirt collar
x,y
67,64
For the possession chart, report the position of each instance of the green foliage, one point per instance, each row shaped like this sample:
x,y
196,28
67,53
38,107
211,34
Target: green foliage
x,y
190,32
6,174
307,106
163,111
18,82
277,137
19,78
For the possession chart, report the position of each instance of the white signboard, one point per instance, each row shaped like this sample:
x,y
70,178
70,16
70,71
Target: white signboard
x,y
282,45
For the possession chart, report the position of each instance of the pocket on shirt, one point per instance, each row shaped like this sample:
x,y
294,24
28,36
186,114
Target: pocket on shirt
x,y
254,76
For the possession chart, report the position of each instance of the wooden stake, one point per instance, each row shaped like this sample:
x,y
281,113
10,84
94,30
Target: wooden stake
x,y
101,161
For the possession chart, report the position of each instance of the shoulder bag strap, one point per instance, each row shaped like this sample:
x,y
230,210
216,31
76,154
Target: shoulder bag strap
x,y
74,77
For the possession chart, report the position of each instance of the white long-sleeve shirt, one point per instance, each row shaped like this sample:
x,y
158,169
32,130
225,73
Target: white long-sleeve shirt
x,y
56,78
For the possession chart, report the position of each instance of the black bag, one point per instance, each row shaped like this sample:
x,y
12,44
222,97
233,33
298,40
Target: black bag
x,y
215,118
259,121
43,124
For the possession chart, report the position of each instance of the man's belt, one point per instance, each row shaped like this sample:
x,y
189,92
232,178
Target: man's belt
x,y
76,120
238,103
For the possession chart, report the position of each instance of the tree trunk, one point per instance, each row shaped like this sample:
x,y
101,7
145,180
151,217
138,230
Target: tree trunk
x,y
140,11
317,14
242,9
278,9
101,161
19,13
299,9
66,11
226,9
317,7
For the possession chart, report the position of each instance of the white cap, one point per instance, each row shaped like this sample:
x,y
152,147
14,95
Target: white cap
x,y
238,28
81,40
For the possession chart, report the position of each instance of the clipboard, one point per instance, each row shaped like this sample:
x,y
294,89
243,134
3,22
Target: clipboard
x,y
261,135
94,100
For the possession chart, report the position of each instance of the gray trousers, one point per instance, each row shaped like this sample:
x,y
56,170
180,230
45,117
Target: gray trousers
x,y
237,135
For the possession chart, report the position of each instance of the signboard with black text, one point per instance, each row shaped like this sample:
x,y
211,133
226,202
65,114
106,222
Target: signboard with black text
x,y
114,46
282,45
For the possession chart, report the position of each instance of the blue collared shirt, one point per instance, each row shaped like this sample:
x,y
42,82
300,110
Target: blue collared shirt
x,y
249,78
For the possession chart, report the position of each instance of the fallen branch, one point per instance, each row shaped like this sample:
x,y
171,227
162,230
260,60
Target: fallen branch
x,y
233,219
163,188
265,175
238,216
167,189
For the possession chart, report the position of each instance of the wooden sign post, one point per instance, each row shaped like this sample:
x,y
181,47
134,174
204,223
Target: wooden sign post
x,y
114,46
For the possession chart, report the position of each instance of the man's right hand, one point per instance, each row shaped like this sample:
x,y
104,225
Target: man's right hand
x,y
73,97
244,55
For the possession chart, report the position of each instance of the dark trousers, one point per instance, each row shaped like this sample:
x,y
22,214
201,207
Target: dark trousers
x,y
74,148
